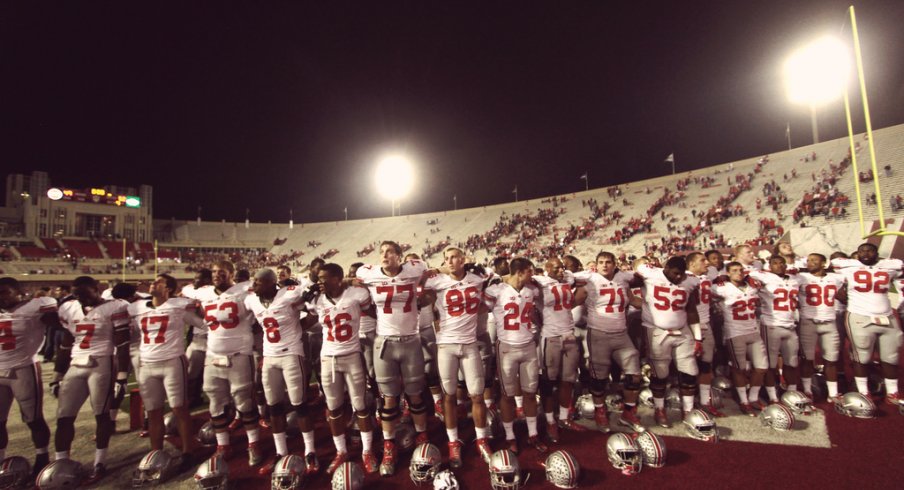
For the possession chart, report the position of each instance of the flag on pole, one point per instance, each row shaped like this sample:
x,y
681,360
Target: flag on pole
x,y
584,176
670,158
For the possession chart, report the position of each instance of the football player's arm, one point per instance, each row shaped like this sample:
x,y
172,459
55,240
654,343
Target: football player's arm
x,y
636,281
580,295
63,359
426,298
309,320
633,299
693,321
121,336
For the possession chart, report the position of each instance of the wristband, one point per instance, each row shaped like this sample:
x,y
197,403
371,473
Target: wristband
x,y
697,331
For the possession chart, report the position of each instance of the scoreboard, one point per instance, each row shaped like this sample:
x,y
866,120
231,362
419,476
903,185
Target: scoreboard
x,y
93,195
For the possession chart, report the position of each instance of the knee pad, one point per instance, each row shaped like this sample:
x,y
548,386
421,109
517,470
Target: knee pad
x,y
546,386
69,421
103,419
249,418
389,414
657,386
632,382
277,410
417,408
598,387
705,367
336,414
687,381
363,414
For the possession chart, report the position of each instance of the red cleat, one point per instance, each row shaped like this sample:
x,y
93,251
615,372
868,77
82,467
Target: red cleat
x,y
312,466
747,409
628,418
267,469
387,466
422,438
572,425
337,461
370,462
552,431
263,423
537,444
438,410
255,454
483,447
601,419
894,399
455,454
662,418
712,410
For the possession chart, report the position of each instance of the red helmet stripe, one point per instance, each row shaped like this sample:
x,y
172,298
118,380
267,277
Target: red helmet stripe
x,y
572,473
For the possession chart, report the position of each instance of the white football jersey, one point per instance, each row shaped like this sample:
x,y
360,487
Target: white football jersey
x,y
817,295
868,285
280,320
162,328
607,300
395,297
458,303
558,300
22,332
704,297
778,297
666,302
512,310
228,321
738,307
341,318
93,330
203,294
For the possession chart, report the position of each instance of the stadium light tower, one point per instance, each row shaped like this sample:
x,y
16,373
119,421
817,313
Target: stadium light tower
x,y
817,74
394,178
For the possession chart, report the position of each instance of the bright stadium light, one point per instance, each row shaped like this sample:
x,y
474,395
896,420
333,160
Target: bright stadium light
x,y
394,177
817,74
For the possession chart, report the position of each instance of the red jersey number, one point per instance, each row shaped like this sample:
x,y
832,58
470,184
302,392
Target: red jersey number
x,y
147,321
744,310
611,293
338,328
7,339
271,328
564,297
817,295
875,282
458,303
390,292
232,320
669,299
515,316
88,329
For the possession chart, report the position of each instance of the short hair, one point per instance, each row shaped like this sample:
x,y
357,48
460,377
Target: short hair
x,y
676,262
609,255
519,264
693,256
776,258
242,275
265,273
124,291
713,252
333,270
740,247
317,260
84,281
868,245
356,265
498,261
821,256
171,282
838,255
226,266
393,245
412,256
205,274
11,282
733,263
775,248
284,267
453,249
574,259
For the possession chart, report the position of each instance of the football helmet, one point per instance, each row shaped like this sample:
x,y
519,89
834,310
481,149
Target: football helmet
x,y
62,474
405,437
505,472
562,470
855,405
213,474
700,425
652,449
288,473
494,423
207,436
348,476
445,480
170,426
798,402
154,468
292,429
673,399
425,463
614,402
646,397
721,383
15,472
624,454
777,416
585,407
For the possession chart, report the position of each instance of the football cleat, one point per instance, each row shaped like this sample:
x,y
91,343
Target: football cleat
x,y
747,409
311,465
710,409
571,425
601,419
255,455
483,448
387,466
267,469
337,461
552,431
455,454
662,418
537,444
894,399
99,471
370,462
628,418
438,410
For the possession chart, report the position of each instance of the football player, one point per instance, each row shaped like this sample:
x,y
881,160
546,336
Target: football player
x,y
285,370
164,369
608,295
87,369
670,299
398,356
778,323
559,352
458,296
512,301
200,290
697,265
339,309
817,323
744,254
229,370
738,301
870,321
22,326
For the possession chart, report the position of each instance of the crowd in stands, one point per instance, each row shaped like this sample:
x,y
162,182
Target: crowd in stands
x,y
824,199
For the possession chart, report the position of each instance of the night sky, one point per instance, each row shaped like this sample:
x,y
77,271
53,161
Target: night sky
x,y
269,106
